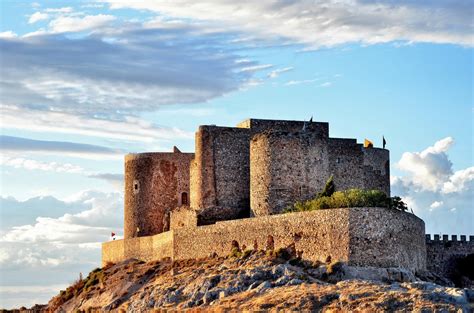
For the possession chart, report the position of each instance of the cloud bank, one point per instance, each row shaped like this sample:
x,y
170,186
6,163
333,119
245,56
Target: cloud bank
x,y
52,247
328,23
19,144
438,194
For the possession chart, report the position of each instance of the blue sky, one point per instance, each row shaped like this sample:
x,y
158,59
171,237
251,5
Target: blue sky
x,y
84,82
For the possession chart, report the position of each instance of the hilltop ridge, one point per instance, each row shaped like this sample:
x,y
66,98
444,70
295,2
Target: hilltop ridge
x,y
254,280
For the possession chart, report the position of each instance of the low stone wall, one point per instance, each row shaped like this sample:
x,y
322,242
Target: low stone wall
x,y
443,253
146,248
359,236
318,234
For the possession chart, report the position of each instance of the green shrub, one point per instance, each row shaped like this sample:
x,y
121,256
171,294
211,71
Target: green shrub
x,y
397,203
95,277
246,253
235,252
328,189
349,199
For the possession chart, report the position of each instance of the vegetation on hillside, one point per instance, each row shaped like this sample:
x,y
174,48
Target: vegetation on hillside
x,y
330,199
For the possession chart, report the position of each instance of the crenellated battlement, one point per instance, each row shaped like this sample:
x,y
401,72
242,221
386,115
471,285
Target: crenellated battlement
x,y
443,253
445,239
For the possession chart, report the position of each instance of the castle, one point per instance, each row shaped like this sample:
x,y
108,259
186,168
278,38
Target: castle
x,y
189,205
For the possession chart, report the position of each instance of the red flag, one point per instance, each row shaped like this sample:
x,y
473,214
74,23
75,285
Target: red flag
x,y
112,234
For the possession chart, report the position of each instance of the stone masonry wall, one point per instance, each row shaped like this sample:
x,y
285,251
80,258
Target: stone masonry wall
x,y
346,163
146,248
442,253
154,185
317,234
386,238
377,169
353,235
260,125
183,217
220,172
286,167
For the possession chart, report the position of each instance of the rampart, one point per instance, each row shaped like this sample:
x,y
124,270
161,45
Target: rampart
x,y
359,236
155,183
442,253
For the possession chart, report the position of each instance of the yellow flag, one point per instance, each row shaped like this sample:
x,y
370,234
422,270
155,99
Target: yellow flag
x,y
368,144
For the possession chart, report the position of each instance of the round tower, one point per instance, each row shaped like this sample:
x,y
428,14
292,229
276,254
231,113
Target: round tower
x,y
155,184
285,167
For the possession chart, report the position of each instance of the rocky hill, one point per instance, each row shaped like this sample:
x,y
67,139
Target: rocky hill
x,y
254,281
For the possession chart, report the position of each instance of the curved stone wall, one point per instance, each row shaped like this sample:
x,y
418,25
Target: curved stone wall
x,y
377,237
155,183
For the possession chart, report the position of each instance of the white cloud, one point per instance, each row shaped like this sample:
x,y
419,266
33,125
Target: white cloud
x,y
30,164
91,226
37,16
299,82
130,128
431,168
14,145
255,68
442,198
59,10
54,250
277,72
436,204
459,180
326,84
327,23
125,70
63,24
8,35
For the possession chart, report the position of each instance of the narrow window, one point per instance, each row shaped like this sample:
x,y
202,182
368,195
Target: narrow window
x,y
136,186
184,198
338,160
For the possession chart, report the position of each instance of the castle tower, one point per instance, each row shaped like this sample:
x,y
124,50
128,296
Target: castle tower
x,y
155,183
286,167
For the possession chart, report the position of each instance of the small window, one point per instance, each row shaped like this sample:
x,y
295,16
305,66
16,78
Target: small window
x,y
338,160
136,186
184,198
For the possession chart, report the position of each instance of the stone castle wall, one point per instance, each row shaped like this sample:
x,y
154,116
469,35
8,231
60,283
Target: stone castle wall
x,y
286,167
220,172
146,248
354,166
257,168
384,237
442,253
341,234
377,169
155,183
317,234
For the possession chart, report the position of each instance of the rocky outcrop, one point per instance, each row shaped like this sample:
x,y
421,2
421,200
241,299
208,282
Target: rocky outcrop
x,y
251,280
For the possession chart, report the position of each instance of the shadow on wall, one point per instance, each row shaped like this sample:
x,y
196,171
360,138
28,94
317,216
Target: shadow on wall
x,y
462,273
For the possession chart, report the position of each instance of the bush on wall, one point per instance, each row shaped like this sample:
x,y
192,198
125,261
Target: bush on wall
x,y
349,199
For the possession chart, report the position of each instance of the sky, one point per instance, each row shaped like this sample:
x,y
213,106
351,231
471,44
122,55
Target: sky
x,y
84,82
